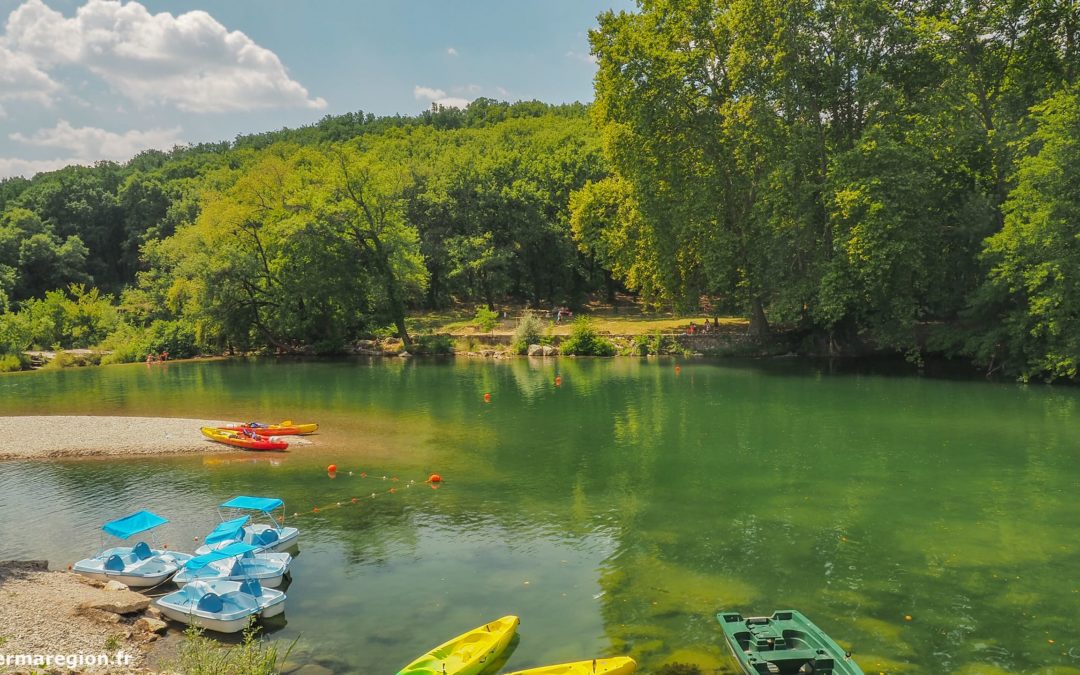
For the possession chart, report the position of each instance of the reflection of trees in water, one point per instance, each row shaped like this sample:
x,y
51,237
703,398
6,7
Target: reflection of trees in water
x,y
856,499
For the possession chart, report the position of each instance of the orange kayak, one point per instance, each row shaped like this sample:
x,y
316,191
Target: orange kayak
x,y
238,439
286,428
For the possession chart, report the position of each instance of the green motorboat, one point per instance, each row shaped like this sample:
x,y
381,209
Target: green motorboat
x,y
786,643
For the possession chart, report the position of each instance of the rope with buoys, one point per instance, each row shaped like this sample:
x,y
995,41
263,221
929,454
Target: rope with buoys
x,y
434,481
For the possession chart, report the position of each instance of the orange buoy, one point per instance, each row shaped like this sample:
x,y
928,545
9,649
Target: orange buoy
x,y
434,478
332,468
487,398
678,369
558,380
315,510
354,500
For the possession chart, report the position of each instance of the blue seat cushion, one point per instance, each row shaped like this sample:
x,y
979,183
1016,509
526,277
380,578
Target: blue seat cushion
x,y
114,563
267,537
142,550
211,602
251,587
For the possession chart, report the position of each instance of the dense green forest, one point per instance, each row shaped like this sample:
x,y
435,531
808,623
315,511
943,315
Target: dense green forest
x,y
852,174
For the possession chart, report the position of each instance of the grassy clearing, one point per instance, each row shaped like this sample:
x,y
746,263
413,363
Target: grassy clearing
x,y
460,322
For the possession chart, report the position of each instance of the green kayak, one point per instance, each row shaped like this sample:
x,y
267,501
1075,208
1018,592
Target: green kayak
x,y
786,643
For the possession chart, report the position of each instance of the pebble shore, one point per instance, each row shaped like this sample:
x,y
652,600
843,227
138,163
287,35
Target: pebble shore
x,y
53,436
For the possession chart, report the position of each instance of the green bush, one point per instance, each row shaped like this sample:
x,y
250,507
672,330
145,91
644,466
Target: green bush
x,y
130,343
486,319
432,343
584,341
530,331
9,363
201,655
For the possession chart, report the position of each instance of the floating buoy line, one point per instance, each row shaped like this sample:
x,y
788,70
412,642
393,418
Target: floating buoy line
x,y
433,481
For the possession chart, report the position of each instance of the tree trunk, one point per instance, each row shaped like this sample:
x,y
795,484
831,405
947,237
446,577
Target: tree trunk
x,y
759,324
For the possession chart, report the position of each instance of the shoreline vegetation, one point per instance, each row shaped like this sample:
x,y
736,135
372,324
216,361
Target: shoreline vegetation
x,y
829,230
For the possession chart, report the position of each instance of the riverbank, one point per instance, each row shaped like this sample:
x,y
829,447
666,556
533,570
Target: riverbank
x,y
63,616
53,436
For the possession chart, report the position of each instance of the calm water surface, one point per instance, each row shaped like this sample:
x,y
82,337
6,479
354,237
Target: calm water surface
x,y
616,513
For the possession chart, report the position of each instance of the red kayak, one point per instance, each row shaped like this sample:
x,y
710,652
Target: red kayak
x,y
238,439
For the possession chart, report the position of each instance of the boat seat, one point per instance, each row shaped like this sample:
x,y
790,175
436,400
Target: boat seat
x,y
251,587
114,563
765,637
211,602
141,551
266,537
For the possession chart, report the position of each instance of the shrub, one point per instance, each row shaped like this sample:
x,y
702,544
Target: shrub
x,y
432,343
530,331
10,363
201,655
486,319
129,343
584,341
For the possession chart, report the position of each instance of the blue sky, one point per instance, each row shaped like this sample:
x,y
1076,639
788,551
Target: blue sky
x,y
82,80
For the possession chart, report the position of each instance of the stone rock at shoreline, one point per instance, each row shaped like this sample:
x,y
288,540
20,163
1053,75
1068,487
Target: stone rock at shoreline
x,y
404,354
543,350
115,585
98,615
153,612
487,353
119,602
150,625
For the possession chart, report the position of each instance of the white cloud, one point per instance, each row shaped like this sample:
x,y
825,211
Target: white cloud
x,y
439,96
451,51
420,93
21,78
189,60
93,144
502,92
13,166
578,56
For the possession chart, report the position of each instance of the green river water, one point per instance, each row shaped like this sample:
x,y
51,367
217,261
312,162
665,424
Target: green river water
x,y
616,513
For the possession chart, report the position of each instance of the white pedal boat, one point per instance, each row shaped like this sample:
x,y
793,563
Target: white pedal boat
x,y
138,566
269,536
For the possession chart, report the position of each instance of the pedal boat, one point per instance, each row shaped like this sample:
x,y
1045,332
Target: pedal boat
x,y
265,536
138,566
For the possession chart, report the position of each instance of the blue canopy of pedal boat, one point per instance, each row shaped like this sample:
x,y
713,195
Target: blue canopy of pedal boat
x,y
230,551
135,523
230,529
264,504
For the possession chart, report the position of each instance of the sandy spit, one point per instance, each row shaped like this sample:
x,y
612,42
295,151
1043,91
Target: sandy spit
x,y
51,436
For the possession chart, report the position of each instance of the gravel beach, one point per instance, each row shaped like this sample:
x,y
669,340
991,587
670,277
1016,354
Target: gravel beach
x,y
41,437
44,613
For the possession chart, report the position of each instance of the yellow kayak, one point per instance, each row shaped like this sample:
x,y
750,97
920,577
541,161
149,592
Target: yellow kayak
x,y
468,653
620,665
286,428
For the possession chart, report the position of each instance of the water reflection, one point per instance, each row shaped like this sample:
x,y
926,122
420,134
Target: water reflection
x,y
615,512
